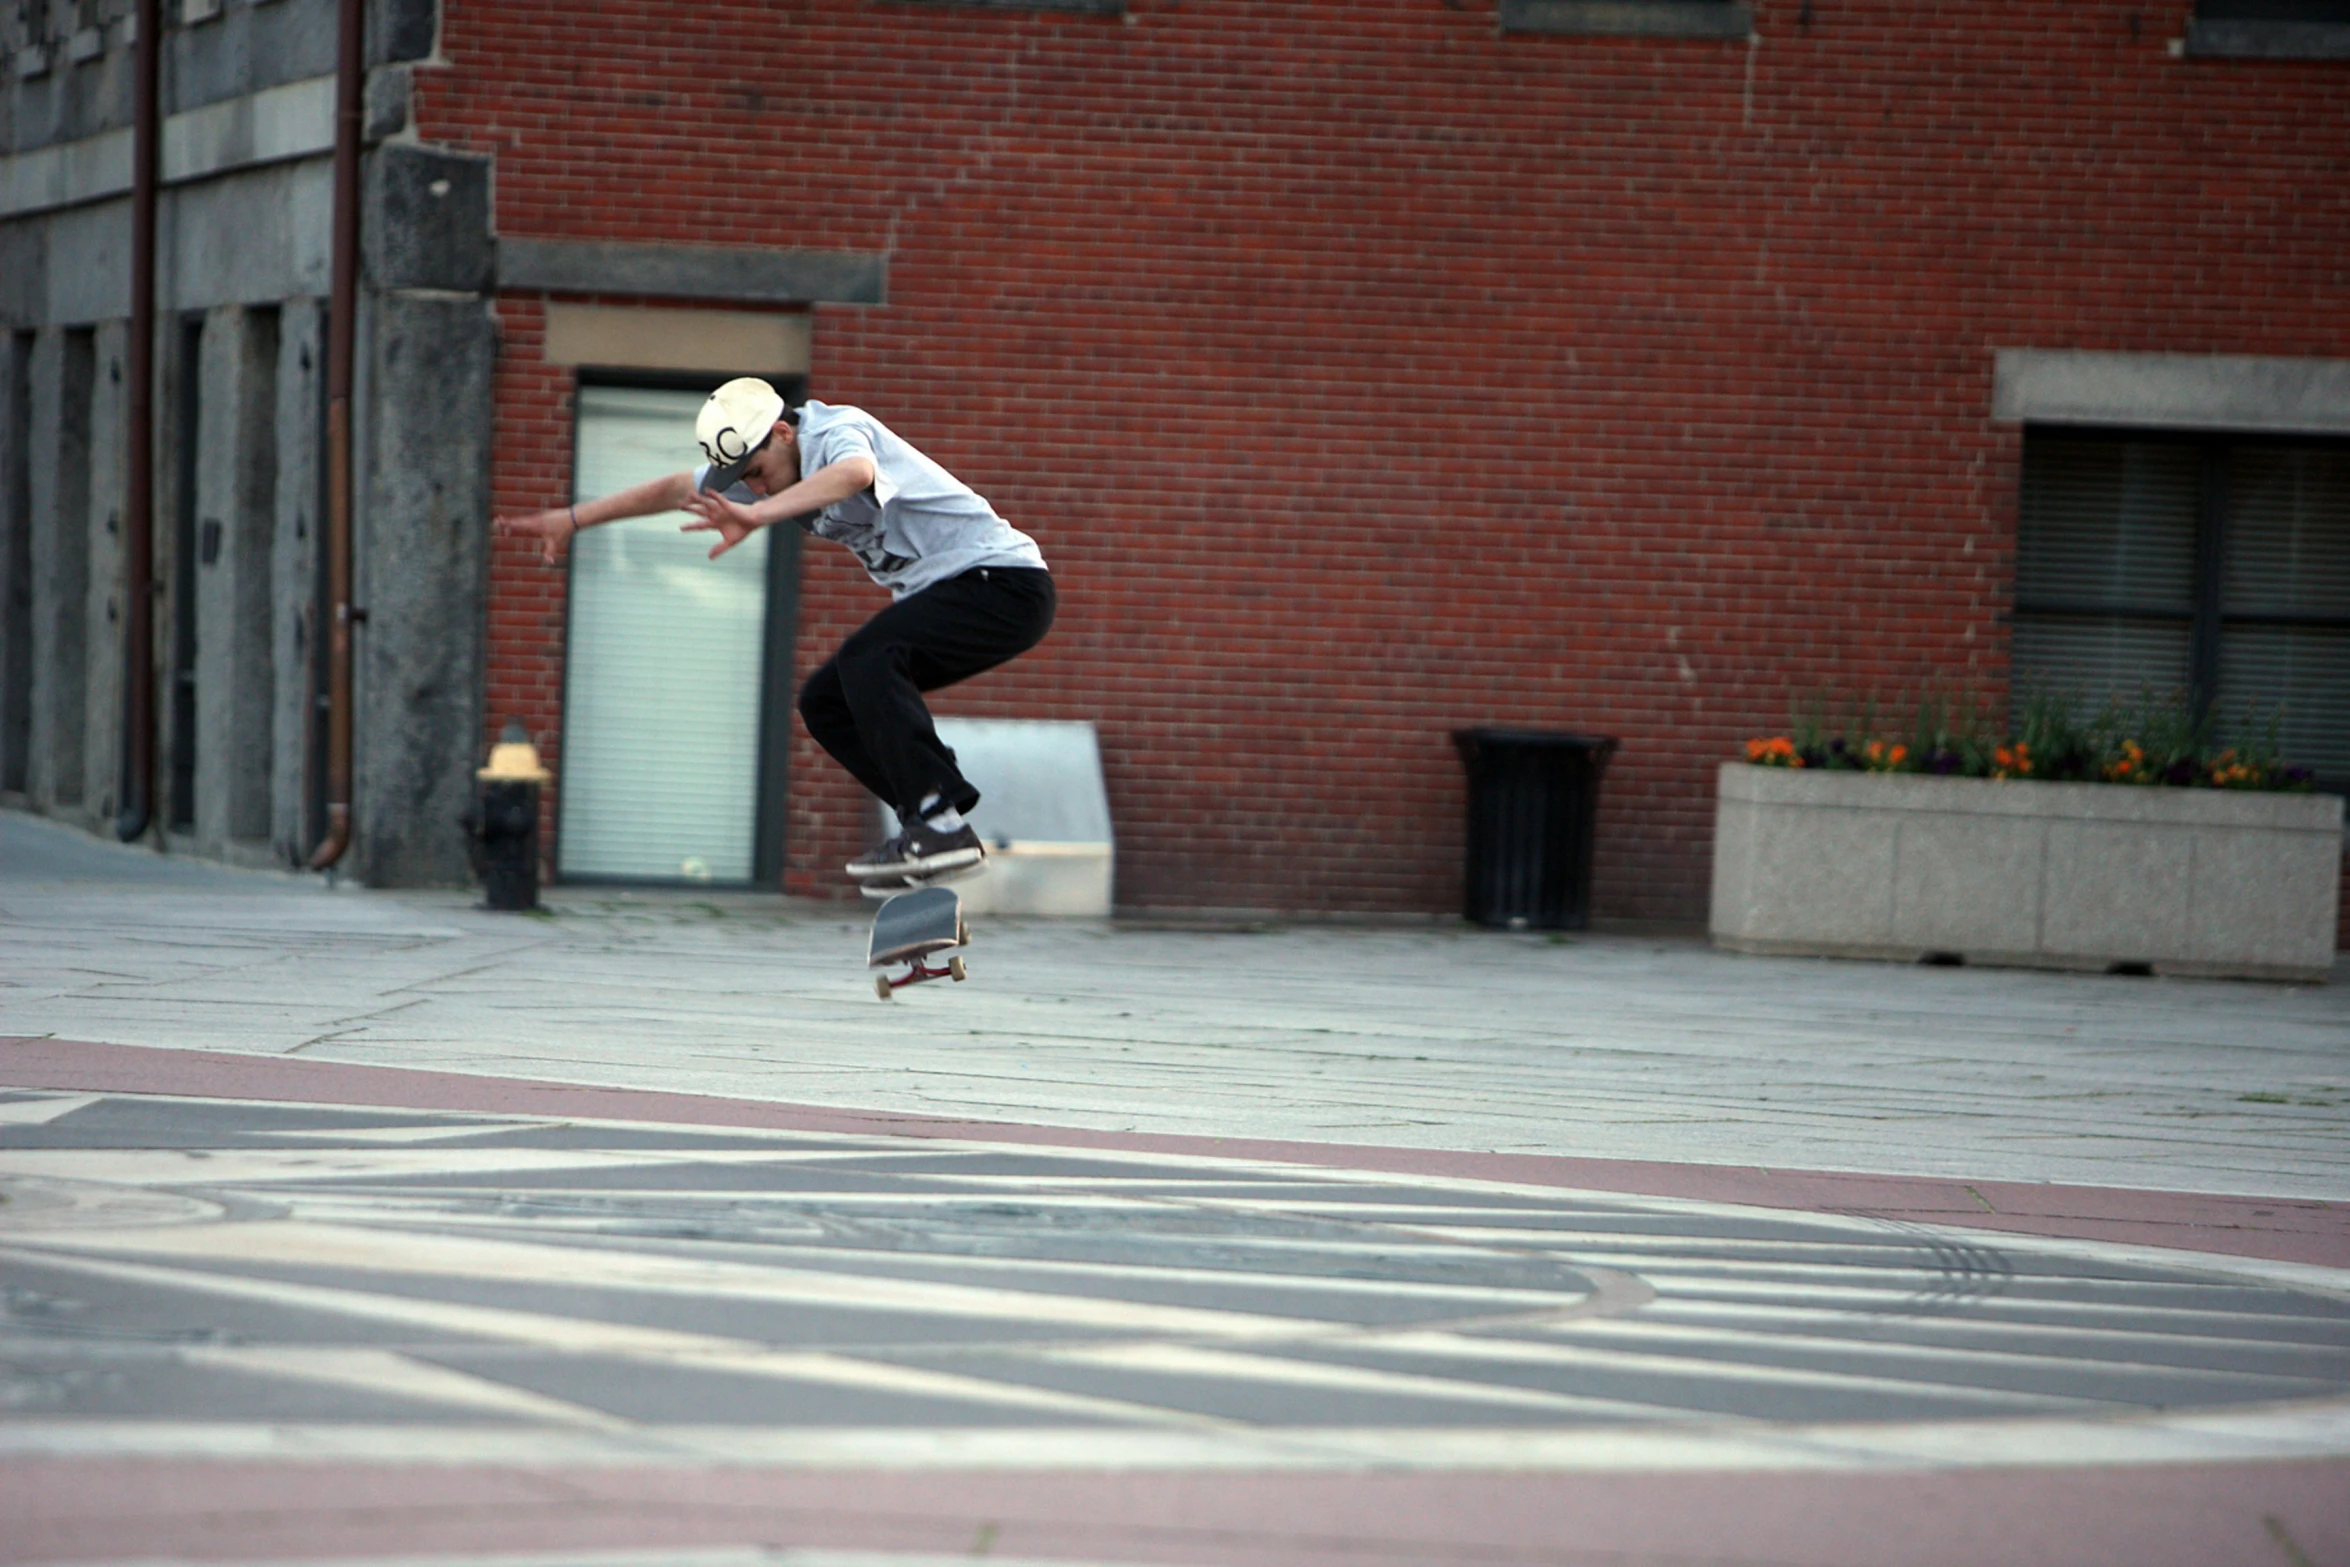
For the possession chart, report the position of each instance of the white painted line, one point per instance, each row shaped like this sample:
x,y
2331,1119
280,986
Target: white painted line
x,y
258,1166
1184,1360
1674,1337
1835,1324
285,1243
365,1136
41,1110
1501,1351
1680,1287
1506,1299
398,1376
2261,1434
663,1346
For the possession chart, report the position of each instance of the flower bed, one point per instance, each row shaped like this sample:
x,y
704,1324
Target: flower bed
x,y
2221,880
2156,741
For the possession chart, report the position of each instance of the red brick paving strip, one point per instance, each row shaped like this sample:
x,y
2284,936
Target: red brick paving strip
x,y
2163,1516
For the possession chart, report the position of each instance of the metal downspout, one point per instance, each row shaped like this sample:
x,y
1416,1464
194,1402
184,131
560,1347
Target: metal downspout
x,y
342,331
136,783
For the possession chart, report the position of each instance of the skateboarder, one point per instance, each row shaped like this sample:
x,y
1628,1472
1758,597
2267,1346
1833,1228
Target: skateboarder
x,y
969,592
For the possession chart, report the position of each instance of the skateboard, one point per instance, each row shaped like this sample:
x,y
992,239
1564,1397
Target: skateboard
x,y
909,928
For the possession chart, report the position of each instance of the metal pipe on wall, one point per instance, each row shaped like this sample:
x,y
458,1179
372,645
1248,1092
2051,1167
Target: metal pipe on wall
x,y
341,337
136,792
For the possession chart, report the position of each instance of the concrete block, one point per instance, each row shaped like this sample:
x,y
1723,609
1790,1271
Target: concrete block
x,y
2269,40
390,99
2063,875
1698,19
426,219
743,274
2195,391
422,557
1811,874
2253,894
2116,891
236,469
1967,883
402,30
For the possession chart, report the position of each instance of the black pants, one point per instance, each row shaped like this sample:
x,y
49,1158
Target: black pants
x,y
865,705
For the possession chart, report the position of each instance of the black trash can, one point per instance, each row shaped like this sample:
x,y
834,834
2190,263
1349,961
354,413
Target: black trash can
x,y
1533,797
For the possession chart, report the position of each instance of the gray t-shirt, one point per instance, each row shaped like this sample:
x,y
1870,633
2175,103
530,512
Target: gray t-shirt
x,y
917,524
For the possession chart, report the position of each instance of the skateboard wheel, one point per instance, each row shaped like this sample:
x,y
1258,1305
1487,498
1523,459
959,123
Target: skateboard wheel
x,y
962,933
881,987
956,971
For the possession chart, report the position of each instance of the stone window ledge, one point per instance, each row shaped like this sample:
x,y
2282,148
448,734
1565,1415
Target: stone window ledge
x,y
1079,7
1717,19
2258,40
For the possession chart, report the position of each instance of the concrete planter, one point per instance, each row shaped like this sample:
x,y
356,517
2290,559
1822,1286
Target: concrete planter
x,y
2095,876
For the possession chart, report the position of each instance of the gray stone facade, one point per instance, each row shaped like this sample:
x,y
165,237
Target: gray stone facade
x,y
243,271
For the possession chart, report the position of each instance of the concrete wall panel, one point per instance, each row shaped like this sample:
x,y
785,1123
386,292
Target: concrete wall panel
x,y
103,614
301,377
86,261
24,273
236,505
60,560
16,563
249,238
1967,883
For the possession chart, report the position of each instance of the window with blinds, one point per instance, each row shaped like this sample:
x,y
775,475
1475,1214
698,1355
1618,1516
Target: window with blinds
x,y
662,673
2216,568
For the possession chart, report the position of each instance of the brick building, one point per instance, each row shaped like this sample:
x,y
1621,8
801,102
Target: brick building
x,y
1367,369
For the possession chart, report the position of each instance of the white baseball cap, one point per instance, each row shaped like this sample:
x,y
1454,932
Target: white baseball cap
x,y
735,423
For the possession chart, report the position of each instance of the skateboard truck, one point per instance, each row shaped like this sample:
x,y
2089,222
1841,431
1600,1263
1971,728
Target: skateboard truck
x,y
908,929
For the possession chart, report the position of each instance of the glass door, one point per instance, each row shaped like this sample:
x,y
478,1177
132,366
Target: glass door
x,y
664,673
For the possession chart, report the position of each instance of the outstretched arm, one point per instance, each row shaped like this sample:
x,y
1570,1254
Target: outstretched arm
x,y
554,527
734,522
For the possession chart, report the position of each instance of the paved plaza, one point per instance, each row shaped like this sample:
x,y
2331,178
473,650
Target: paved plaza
x,y
346,1226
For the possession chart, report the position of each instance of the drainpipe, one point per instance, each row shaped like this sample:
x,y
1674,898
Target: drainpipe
x,y
136,785
341,331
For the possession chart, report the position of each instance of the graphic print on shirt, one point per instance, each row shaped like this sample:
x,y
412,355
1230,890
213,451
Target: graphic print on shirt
x,y
866,543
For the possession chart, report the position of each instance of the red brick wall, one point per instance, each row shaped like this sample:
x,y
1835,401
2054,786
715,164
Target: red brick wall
x,y
1366,374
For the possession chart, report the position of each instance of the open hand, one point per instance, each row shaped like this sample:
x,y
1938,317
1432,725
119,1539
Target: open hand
x,y
714,513
552,529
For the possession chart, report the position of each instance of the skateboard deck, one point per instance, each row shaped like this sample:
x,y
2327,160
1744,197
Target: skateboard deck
x,y
909,928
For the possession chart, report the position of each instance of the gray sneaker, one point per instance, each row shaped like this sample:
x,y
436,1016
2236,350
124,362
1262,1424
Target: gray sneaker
x,y
918,854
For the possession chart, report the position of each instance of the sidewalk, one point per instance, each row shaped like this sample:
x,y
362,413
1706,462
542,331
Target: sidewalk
x,y
1606,1047
340,1226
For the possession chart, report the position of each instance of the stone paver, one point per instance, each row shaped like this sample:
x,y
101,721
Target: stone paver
x,y
1603,1046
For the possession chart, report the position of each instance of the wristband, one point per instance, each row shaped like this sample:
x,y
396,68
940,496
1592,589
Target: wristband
x,y
575,522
